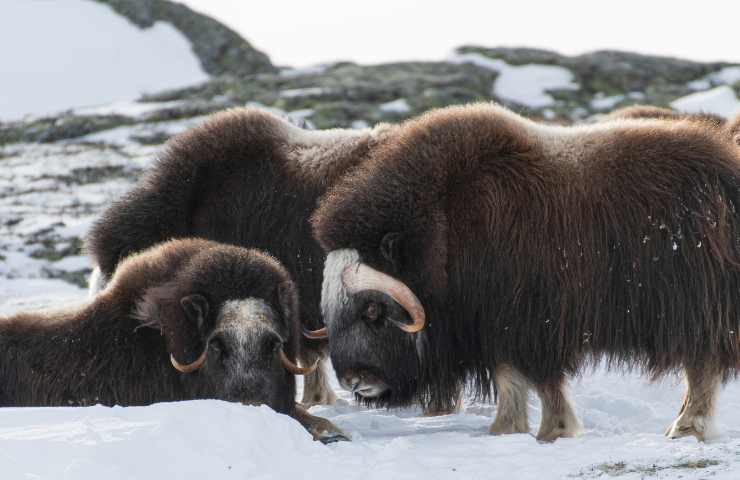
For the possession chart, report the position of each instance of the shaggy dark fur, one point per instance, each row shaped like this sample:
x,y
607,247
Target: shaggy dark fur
x,y
116,349
540,247
244,177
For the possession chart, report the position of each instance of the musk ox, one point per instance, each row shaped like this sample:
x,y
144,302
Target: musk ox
x,y
480,246
187,319
244,177
731,127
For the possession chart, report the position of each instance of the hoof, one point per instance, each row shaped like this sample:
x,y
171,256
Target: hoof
x,y
438,413
332,437
688,427
507,428
553,434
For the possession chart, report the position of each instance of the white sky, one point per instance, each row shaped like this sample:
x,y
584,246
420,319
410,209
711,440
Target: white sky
x,y
299,33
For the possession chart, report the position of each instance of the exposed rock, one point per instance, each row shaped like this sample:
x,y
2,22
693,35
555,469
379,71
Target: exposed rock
x,y
220,50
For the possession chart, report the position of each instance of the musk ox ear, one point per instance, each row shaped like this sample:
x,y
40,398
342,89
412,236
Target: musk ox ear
x,y
390,248
196,310
186,334
182,320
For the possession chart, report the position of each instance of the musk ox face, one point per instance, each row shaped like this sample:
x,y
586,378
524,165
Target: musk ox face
x,y
229,320
371,318
244,357
385,276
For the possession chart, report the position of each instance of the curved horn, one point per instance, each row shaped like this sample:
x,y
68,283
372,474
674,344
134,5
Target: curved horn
x,y
293,368
190,367
361,277
319,334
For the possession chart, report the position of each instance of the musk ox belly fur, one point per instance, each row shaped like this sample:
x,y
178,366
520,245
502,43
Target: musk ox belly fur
x,y
542,246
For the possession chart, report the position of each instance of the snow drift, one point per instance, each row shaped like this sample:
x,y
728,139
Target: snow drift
x,y
70,53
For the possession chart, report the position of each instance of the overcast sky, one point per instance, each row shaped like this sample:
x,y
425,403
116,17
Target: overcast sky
x,y
299,33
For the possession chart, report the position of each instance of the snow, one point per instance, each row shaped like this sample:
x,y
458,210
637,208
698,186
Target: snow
x,y
27,294
726,76
70,53
701,84
195,439
126,108
125,134
304,71
396,106
526,84
601,102
303,92
73,263
720,100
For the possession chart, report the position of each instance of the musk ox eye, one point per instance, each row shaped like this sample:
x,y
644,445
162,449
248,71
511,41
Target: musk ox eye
x,y
271,345
217,347
373,311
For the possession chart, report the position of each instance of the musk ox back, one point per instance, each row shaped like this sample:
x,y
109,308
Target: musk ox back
x,y
731,126
525,250
244,177
187,319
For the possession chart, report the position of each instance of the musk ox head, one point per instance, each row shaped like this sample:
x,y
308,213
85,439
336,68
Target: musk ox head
x,y
385,278
228,317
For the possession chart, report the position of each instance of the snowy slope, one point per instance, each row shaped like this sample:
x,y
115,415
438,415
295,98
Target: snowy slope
x,y
526,84
720,101
65,53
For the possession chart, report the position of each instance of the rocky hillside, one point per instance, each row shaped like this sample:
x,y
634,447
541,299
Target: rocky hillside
x,y
221,51
538,83
58,172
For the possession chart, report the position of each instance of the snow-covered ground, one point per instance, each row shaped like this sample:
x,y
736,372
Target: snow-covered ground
x,y
720,101
50,194
67,53
525,84
623,418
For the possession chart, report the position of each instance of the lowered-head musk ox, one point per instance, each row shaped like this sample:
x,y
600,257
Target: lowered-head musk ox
x,y
244,177
481,246
185,320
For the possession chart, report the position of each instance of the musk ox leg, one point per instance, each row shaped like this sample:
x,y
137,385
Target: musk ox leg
x,y
697,412
558,418
512,395
436,409
321,429
96,283
316,388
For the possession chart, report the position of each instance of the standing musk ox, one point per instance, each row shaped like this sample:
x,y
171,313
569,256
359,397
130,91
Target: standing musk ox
x,y
731,127
244,177
226,319
519,252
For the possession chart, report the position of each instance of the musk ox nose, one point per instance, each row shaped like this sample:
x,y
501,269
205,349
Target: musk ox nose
x,y
364,384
